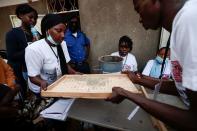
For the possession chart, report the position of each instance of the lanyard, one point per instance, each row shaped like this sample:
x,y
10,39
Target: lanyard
x,y
158,86
54,53
52,49
164,60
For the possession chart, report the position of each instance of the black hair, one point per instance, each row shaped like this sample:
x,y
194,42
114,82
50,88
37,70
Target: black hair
x,y
48,21
24,9
72,16
162,48
125,39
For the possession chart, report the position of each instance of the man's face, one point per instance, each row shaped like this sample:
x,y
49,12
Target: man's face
x,y
150,13
74,25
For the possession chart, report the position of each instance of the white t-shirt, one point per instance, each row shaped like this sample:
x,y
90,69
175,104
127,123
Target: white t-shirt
x,y
149,65
41,60
184,49
129,62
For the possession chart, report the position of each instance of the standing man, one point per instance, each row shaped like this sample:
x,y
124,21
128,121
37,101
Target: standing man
x,y
78,46
180,18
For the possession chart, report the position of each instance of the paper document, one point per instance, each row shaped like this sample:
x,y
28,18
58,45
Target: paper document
x,y
58,110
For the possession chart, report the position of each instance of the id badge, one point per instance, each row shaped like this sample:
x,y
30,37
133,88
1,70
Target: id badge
x,y
58,72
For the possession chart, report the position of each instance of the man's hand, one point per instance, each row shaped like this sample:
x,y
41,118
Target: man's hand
x,y
116,96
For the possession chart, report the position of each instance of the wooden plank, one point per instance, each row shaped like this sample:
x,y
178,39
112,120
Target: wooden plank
x,y
92,86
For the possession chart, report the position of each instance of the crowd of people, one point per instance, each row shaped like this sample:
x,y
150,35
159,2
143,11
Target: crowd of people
x,y
34,64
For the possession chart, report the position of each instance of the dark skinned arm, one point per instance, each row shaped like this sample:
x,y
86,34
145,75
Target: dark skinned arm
x,y
39,82
178,118
168,86
71,70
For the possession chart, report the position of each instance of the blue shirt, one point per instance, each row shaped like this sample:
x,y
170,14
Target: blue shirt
x,y
76,45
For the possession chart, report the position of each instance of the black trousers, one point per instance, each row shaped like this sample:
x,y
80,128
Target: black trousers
x,y
82,67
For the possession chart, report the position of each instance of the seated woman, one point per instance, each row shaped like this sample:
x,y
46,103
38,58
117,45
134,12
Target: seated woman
x,y
125,47
153,67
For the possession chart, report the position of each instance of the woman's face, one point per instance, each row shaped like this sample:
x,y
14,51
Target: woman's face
x,y
161,53
123,49
28,19
57,32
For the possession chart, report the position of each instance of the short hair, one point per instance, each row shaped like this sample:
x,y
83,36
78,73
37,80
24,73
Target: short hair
x,y
24,9
127,40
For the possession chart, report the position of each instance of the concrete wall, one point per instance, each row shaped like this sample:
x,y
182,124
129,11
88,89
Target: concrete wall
x,y
105,21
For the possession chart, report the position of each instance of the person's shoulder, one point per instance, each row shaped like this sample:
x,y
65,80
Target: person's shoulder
x,y
68,32
37,44
131,56
115,53
188,13
82,33
14,30
190,9
150,61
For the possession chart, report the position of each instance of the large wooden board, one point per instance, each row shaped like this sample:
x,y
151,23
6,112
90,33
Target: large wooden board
x,y
95,86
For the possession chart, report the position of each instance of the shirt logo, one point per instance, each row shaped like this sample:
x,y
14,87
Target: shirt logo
x,y
176,71
126,68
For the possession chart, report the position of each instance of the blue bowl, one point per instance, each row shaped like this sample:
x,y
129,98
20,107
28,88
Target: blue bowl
x,y
110,64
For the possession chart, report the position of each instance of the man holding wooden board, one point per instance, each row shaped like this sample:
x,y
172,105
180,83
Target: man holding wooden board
x,y
180,18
